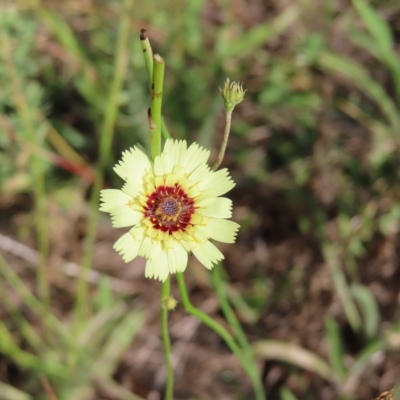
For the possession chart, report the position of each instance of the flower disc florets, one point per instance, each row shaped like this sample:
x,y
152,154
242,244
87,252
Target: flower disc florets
x,y
174,207
169,209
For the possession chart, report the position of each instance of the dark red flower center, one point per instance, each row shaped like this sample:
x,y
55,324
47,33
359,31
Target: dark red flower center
x,y
169,209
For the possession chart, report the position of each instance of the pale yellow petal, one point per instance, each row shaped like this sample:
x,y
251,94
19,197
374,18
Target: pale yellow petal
x,y
127,246
149,271
199,173
112,198
133,165
176,150
124,216
163,164
218,207
220,229
177,259
148,247
132,188
157,267
194,156
208,254
219,182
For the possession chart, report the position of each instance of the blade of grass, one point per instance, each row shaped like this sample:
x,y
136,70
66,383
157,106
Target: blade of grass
x,y
52,323
8,392
360,77
25,359
88,82
98,326
115,391
117,344
381,34
335,349
286,394
250,41
25,328
293,354
374,351
368,307
376,25
341,287
26,116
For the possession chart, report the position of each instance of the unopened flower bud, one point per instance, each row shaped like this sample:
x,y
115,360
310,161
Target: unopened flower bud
x,y
169,303
233,94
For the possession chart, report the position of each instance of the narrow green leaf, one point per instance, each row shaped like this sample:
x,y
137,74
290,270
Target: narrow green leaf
x,y
335,348
259,35
364,358
104,295
376,25
293,354
341,286
25,359
361,78
12,278
286,394
98,327
117,344
369,309
8,392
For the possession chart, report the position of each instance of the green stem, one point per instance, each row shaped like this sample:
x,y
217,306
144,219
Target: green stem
x,y
156,103
221,332
207,320
228,120
169,388
219,286
147,55
148,60
106,136
155,71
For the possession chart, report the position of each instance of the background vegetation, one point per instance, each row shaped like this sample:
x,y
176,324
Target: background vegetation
x,y
314,276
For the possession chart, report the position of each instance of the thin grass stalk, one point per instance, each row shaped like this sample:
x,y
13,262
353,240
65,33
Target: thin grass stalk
x,y
39,192
106,137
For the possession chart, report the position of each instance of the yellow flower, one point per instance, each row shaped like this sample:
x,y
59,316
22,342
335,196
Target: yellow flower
x,y
174,206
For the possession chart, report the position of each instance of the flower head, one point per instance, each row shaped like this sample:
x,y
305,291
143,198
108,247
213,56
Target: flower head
x,y
174,207
232,94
